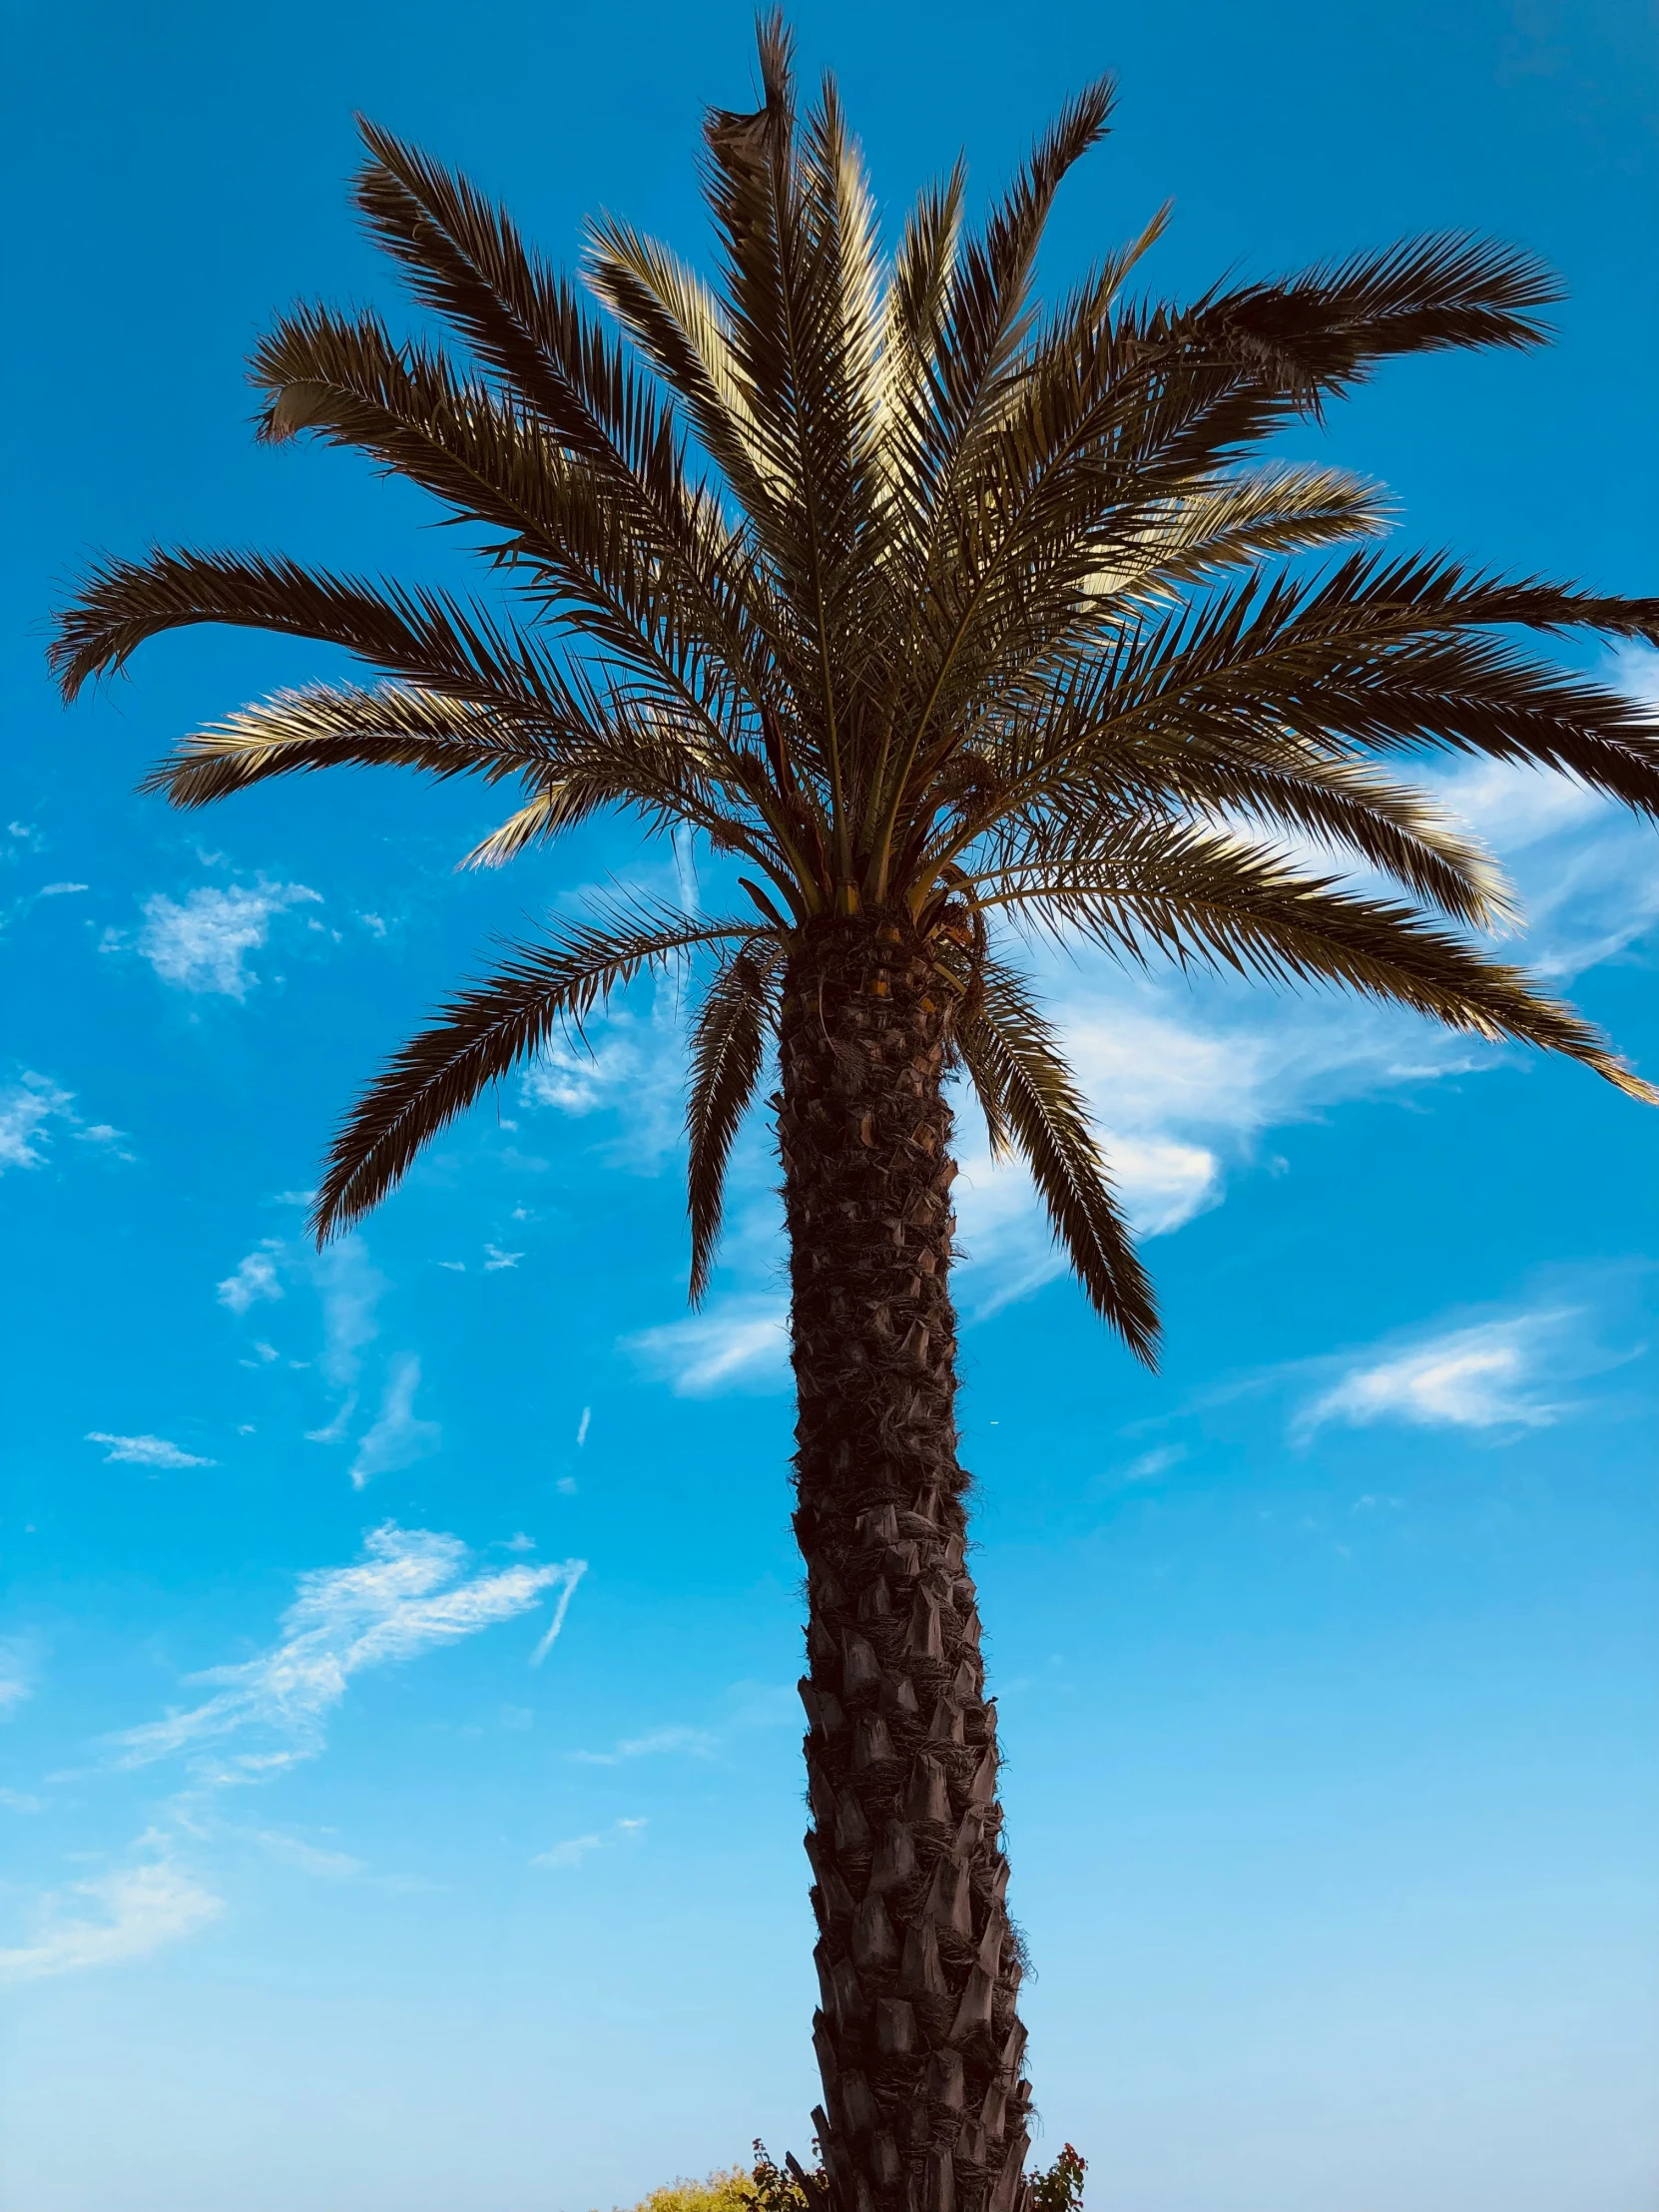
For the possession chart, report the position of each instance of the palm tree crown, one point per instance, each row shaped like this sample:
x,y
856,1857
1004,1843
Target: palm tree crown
x,y
921,599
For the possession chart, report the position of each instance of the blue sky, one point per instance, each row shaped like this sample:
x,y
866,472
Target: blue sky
x,y
401,1804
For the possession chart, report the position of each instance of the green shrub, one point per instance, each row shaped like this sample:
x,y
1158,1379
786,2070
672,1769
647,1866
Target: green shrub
x,y
721,2192
763,2187
1060,2189
766,2187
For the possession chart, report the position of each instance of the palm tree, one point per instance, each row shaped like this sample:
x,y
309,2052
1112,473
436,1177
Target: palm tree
x,y
944,616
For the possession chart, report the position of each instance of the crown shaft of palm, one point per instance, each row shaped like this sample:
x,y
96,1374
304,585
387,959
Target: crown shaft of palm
x,y
977,617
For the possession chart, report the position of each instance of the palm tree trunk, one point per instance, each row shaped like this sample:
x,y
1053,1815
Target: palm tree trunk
x,y
918,2039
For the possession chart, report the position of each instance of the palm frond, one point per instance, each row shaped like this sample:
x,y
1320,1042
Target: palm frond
x,y
464,257
989,314
728,1043
1186,387
554,808
1419,592
436,641
335,726
919,289
800,307
1319,333
916,297
973,372
484,1034
345,378
1375,657
678,323
619,748
1117,417
1015,1062
1235,522
1202,900
492,461
1346,808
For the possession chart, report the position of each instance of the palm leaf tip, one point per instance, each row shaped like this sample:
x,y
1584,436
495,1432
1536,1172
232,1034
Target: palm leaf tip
x,y
81,645
728,1047
1625,1078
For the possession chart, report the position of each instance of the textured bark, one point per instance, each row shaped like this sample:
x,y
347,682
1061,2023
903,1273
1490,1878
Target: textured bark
x,y
918,2039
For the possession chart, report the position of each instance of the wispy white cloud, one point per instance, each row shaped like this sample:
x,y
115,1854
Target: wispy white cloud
x,y
413,1592
1586,870
570,1852
495,1258
1151,1465
574,1569
397,1438
1503,1374
1495,1372
135,1912
577,1081
698,1742
17,1677
16,908
632,1062
1212,1068
255,1277
144,1451
575,1849
35,1109
684,870
351,1290
348,1288
202,945
27,1111
311,1858
747,1707
333,1432
1512,807
1634,667
740,1345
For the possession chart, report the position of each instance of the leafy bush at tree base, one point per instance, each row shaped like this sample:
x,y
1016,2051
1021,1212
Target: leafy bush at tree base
x,y
768,2187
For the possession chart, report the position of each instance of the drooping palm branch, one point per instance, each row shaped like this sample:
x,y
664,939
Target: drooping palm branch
x,y
913,596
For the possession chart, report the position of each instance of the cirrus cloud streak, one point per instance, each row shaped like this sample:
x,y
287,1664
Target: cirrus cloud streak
x,y
411,1593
